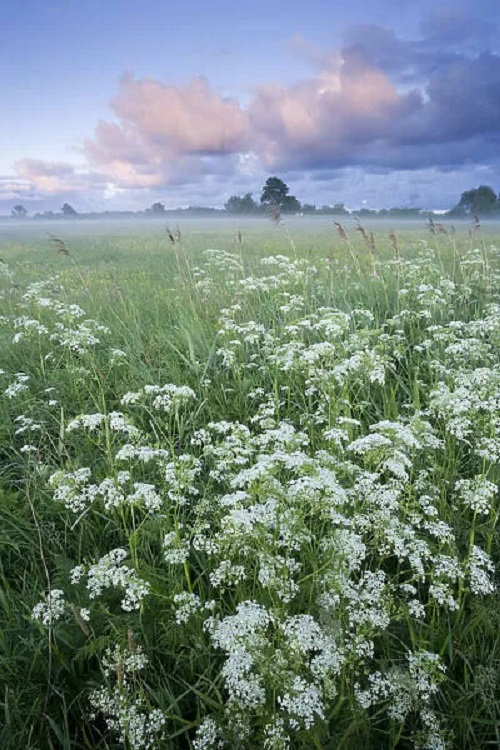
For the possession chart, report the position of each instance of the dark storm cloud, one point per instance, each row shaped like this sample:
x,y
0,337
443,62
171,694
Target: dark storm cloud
x,y
431,101
448,33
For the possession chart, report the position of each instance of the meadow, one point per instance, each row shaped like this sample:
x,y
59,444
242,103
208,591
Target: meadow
x,y
249,486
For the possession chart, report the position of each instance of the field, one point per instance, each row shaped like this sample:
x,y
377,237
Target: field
x,y
249,486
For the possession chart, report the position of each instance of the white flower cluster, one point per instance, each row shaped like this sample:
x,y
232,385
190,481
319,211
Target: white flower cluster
x,y
167,398
77,338
407,690
78,495
125,662
469,405
25,326
142,453
92,422
26,424
126,711
51,609
175,549
18,386
481,571
477,494
109,572
81,338
208,736
305,660
188,604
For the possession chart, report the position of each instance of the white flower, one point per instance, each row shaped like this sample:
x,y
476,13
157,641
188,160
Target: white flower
x,y
481,570
108,572
208,736
302,703
145,494
477,494
175,549
52,609
18,386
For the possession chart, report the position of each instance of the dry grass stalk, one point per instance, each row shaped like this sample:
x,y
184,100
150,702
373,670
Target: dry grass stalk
x,y
435,227
343,234
174,235
275,213
369,241
341,230
394,244
132,643
60,245
238,241
276,217
81,622
62,249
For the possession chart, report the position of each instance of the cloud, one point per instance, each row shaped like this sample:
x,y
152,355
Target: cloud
x,y
390,103
464,100
55,178
461,27
330,119
13,188
164,131
406,61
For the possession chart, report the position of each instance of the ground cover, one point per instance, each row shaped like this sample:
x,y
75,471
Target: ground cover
x,y
249,487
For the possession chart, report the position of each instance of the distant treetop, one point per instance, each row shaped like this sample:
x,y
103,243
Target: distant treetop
x,y
480,200
276,193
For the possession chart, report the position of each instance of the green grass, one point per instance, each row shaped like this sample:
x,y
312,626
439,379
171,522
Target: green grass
x,y
365,561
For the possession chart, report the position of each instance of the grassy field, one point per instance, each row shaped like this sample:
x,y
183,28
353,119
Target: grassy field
x,y
249,486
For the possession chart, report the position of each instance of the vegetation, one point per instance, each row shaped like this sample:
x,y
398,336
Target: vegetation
x,y
241,205
275,195
19,212
68,211
481,201
250,495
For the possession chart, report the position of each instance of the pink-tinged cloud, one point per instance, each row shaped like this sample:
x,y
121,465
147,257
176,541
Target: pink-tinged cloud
x,y
164,130
189,119
326,117
54,177
12,188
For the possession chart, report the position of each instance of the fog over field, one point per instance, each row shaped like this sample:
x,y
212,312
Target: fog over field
x,y
299,225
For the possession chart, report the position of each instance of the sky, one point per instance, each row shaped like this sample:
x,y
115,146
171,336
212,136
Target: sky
x,y
116,104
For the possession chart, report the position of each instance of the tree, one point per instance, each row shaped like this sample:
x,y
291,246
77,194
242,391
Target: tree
x,y
480,200
68,210
157,209
19,212
338,209
241,204
275,193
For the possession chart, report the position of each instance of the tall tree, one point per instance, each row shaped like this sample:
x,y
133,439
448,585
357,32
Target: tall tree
x,y
157,209
276,193
478,200
19,212
68,210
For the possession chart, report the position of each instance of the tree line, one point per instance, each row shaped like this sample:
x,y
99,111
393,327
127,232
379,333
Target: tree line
x,y
481,200
275,197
